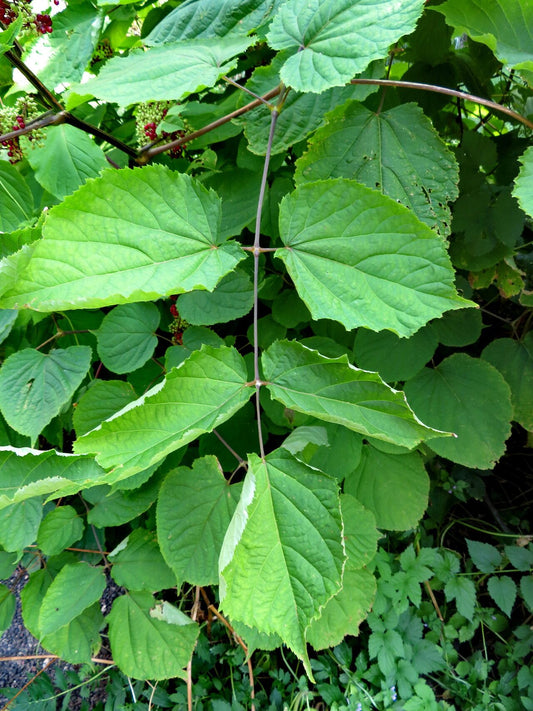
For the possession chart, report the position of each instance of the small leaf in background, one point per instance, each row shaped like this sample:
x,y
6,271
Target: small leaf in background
x,y
194,510
502,590
126,337
360,258
8,604
169,71
79,640
7,320
101,400
114,508
288,519
59,529
231,298
469,397
397,152
34,386
329,44
485,557
139,565
19,524
463,591
66,159
205,390
521,558
373,351
150,232
147,645
335,391
458,328
394,487
75,588
514,360
16,199
526,589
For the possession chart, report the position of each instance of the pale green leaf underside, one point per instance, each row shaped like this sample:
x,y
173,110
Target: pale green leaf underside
x,y
333,41
523,190
34,386
394,487
145,646
205,18
506,26
467,396
194,510
396,152
131,235
205,390
335,391
65,161
170,71
358,257
288,523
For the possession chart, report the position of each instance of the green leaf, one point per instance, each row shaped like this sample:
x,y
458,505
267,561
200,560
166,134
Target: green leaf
x,y
150,640
458,328
232,298
463,591
126,338
469,397
343,614
521,558
16,200
79,640
25,473
485,557
526,588
139,565
8,604
7,320
239,190
303,436
502,590
170,71
8,36
65,160
393,357
360,534
150,233
101,400
194,510
63,56
514,360
358,257
75,588
202,392
396,152
343,453
19,524
114,508
330,43
203,18
59,529
34,386
287,521
523,189
394,487
505,27
335,391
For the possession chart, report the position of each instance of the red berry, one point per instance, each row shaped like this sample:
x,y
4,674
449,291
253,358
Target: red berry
x,y
174,311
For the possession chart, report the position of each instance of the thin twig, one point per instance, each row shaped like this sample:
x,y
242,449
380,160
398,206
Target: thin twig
x,y
229,448
257,253
449,92
146,153
252,93
28,683
98,133
47,119
45,94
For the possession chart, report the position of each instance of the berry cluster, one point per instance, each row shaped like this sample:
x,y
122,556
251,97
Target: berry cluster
x,y
38,22
14,118
148,116
178,325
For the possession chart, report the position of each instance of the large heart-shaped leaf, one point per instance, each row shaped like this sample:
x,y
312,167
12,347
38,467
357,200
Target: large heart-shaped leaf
x,y
330,42
34,386
131,235
358,257
288,522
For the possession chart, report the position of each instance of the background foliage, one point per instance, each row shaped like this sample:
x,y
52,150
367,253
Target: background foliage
x,y
265,292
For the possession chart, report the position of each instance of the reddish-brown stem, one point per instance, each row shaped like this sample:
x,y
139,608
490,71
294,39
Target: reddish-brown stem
x,y
229,448
45,95
28,683
449,92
